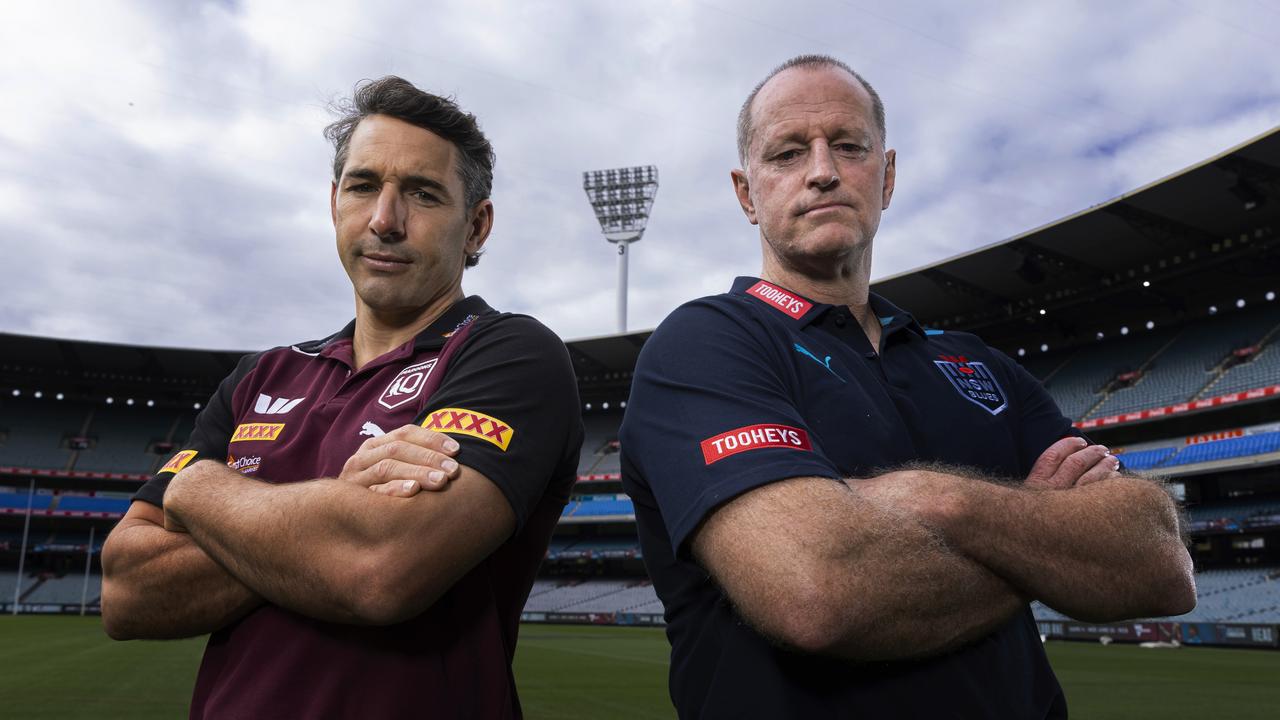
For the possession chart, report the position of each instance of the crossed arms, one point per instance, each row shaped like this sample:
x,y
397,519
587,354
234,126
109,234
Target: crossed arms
x,y
328,548
917,562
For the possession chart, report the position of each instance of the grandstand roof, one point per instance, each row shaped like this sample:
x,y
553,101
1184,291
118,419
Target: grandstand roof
x,y
1205,234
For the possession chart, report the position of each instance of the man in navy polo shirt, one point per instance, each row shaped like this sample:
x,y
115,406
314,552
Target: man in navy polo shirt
x,y
324,599
846,514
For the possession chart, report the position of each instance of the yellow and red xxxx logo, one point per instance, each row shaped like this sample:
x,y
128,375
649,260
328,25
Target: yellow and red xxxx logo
x,y
457,421
257,431
178,461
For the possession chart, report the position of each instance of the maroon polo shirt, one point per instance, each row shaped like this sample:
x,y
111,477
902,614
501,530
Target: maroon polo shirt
x,y
501,385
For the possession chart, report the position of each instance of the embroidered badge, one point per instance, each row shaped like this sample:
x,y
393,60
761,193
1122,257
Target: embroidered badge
x,y
974,382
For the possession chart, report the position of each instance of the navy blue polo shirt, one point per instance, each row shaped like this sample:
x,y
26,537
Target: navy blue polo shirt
x,y
761,384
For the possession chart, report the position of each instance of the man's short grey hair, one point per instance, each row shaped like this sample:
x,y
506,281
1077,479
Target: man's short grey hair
x,y
745,128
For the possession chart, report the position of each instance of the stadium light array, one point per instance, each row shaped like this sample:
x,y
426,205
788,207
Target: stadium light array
x,y
17,392
1022,352
38,394
1270,296
622,199
195,406
1044,347
1151,325
1213,309
1240,303
1124,329
110,400
1146,283
1100,335
59,396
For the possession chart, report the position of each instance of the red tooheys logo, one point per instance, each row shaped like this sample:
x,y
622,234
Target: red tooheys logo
x,y
754,437
780,299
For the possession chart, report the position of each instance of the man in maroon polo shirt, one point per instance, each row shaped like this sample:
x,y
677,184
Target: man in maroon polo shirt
x,y
291,526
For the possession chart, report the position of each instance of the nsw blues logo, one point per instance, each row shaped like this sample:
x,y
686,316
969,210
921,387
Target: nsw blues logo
x,y
974,382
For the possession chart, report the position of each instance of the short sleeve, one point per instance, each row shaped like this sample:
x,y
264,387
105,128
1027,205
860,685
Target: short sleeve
x,y
711,415
208,439
1040,422
510,399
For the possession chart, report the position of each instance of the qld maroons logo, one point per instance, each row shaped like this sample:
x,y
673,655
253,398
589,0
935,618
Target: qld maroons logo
x,y
973,381
407,386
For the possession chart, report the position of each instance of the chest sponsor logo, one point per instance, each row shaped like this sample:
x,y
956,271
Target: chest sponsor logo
x,y
458,421
407,386
779,299
178,461
268,405
244,465
372,430
754,437
266,432
974,381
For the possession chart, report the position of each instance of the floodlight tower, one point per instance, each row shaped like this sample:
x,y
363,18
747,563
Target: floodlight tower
x,y
622,198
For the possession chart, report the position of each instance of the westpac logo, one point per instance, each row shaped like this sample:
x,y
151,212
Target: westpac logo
x,y
279,406
457,421
266,432
974,382
407,386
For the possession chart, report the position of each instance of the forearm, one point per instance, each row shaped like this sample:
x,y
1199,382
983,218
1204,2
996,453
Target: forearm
x,y
333,550
1105,551
159,585
302,546
913,595
830,571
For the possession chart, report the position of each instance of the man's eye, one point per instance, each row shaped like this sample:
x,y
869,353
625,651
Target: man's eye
x,y
850,147
786,155
361,188
424,196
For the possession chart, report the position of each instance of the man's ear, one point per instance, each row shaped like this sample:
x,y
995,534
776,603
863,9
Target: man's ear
x,y
742,188
333,202
479,226
890,176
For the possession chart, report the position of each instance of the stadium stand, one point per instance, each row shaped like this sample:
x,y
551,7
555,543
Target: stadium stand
x,y
600,444
65,590
1223,596
36,433
1078,386
124,437
1190,366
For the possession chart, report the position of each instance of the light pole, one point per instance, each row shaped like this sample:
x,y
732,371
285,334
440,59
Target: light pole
x,y
621,199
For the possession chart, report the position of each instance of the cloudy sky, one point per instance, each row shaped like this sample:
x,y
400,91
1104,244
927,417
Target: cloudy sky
x,y
164,180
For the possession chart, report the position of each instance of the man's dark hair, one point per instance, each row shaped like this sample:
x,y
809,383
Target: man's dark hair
x,y
398,98
745,128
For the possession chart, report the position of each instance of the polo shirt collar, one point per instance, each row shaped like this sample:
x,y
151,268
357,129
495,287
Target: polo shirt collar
x,y
802,311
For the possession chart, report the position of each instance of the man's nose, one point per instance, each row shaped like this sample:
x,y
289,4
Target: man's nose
x,y
822,167
388,214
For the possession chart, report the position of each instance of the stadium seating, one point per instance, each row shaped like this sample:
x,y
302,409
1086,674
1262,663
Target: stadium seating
x,y
1175,455
617,595
124,436
1188,366
1261,371
592,506
1222,596
599,445
65,590
36,432
1078,385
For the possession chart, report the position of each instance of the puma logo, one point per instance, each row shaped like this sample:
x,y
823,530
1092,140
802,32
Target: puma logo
x,y
371,430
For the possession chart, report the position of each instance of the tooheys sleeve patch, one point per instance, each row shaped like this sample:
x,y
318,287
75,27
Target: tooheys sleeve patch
x,y
754,437
178,461
458,421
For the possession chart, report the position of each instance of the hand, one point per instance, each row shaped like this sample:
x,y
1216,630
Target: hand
x,y
403,462
1072,462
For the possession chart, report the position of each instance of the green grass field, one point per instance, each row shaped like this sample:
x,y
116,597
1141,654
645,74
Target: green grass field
x,y
64,667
